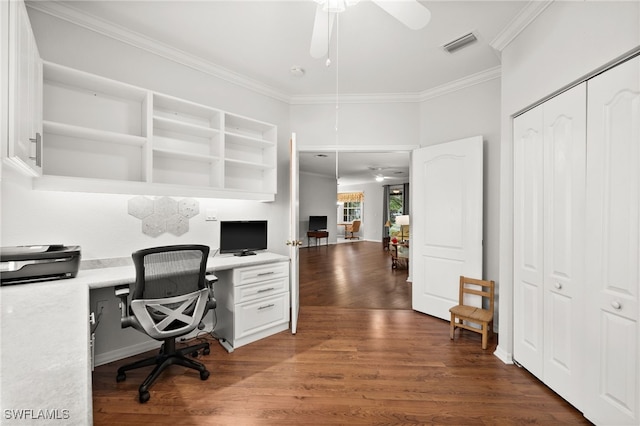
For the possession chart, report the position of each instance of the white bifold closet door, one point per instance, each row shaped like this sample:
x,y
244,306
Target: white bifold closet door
x,y
549,204
613,246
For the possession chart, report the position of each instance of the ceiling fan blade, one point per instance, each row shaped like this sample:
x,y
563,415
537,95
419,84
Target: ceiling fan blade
x,y
409,12
322,27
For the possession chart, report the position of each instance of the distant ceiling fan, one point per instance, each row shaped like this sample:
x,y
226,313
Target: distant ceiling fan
x,y
410,12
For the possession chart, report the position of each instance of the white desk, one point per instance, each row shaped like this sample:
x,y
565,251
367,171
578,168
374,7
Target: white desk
x,y
45,367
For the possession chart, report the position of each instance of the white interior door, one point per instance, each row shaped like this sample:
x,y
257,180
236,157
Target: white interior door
x,y
613,246
294,242
446,222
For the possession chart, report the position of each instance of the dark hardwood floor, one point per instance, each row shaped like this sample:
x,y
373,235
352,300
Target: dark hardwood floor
x,y
361,356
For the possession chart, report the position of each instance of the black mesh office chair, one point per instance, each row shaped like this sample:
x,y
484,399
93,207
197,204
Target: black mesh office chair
x,y
171,296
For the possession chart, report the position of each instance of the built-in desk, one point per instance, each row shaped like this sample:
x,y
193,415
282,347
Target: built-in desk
x,y
45,361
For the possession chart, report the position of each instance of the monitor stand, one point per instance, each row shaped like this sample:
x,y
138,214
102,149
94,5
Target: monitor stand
x,y
245,253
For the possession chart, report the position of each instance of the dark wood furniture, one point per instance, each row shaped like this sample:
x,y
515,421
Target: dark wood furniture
x,y
317,235
397,258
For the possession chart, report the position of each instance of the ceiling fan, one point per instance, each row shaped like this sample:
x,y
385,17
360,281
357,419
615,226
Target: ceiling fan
x,y
410,12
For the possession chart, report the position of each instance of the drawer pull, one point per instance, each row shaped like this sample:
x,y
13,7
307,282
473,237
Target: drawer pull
x,y
616,305
266,273
266,306
264,290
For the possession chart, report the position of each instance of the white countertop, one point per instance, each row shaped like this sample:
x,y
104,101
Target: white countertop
x,y
44,339
109,277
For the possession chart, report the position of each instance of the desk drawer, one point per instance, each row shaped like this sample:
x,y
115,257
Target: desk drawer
x,y
253,274
253,317
248,292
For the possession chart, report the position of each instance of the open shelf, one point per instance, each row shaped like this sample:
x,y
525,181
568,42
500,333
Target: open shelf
x,y
100,130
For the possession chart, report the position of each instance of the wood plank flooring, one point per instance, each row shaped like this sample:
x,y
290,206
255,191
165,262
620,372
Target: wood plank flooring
x,y
361,356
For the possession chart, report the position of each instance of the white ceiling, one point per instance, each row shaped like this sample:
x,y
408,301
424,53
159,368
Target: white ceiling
x,y
258,42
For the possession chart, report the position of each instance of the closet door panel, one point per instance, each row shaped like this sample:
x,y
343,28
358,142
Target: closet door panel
x,y
563,224
613,244
528,240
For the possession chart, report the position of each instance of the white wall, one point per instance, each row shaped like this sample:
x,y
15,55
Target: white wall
x,y
359,124
566,42
100,222
371,226
469,112
318,195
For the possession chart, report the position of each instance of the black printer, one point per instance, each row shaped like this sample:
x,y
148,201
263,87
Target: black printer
x,y
27,264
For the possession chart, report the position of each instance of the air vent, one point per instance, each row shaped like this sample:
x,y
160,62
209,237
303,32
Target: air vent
x,y
459,43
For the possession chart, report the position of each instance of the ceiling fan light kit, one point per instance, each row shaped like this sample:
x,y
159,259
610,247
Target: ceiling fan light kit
x,y
409,12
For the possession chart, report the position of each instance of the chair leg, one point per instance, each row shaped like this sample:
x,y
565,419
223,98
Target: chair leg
x,y
485,332
138,364
452,326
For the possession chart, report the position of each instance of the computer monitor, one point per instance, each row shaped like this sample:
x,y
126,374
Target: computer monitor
x,y
317,223
243,237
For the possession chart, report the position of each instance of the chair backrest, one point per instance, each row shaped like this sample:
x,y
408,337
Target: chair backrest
x,y
169,271
356,226
170,294
476,287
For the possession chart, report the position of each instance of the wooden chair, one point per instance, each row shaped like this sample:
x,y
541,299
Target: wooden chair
x,y
474,314
352,229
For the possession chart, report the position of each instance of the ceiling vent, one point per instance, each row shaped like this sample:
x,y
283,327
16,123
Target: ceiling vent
x,y
459,43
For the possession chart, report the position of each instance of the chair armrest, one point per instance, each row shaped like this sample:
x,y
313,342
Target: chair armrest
x,y
210,280
122,292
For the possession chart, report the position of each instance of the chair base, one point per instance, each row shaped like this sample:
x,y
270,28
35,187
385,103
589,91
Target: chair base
x,y
167,356
486,328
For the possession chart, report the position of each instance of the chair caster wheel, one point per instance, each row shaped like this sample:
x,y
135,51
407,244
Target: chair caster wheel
x,y
194,354
204,375
206,351
144,396
121,377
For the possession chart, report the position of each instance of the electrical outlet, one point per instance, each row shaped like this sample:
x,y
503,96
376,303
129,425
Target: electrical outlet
x,y
211,215
101,306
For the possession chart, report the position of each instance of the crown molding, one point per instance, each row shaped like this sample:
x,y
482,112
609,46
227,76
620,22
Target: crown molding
x,y
528,14
95,24
462,83
371,98
100,26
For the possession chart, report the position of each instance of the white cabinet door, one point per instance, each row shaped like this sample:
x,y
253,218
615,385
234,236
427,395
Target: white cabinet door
x,y
549,166
24,147
446,235
613,244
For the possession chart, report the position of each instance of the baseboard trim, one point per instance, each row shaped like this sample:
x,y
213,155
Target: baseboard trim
x,y
504,356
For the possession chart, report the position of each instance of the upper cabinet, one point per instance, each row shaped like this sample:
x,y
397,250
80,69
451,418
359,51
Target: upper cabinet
x,y
102,135
76,131
23,148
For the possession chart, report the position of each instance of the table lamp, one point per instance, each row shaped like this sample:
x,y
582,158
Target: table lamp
x,y
402,221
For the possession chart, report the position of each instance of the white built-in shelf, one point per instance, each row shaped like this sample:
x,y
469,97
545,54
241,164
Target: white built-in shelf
x,y
170,153
86,133
184,127
248,164
235,138
102,135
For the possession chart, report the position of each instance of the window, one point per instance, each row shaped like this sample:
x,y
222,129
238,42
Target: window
x,y
350,206
351,211
396,202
